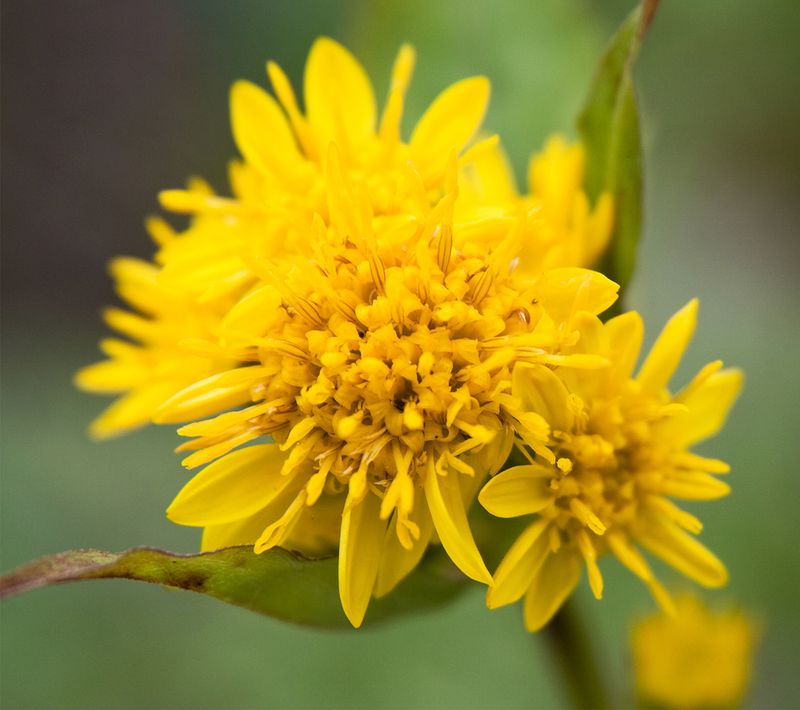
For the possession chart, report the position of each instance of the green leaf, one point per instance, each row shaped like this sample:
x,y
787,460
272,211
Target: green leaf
x,y
609,129
276,583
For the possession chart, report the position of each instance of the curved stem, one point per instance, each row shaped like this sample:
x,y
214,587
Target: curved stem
x,y
572,653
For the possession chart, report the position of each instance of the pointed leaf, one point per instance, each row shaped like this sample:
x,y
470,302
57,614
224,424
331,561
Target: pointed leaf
x,y
277,583
609,129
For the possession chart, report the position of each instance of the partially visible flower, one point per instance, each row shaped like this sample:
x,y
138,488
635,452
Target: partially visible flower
x,y
695,658
564,229
620,454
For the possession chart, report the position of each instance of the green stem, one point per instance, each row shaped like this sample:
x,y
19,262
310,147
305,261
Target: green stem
x,y
572,653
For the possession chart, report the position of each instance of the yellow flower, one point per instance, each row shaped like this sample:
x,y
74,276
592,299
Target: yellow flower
x,y
382,367
620,453
362,301
696,658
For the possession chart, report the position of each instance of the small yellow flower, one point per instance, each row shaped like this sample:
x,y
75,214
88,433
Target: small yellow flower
x,y
620,453
696,658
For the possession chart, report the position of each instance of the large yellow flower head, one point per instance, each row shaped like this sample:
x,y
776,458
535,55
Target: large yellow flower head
x,y
280,186
695,658
620,453
362,301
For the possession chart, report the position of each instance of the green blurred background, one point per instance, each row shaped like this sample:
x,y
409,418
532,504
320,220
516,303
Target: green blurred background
x,y
104,103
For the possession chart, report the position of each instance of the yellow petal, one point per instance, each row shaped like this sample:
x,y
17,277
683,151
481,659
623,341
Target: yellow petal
x,y
491,457
112,376
564,292
232,488
186,201
589,553
393,113
253,314
396,560
491,177
592,334
629,556
624,334
210,396
133,410
555,581
708,406
587,516
520,490
698,380
662,597
447,126
666,353
160,231
299,432
222,423
689,460
694,485
348,212
519,566
680,550
261,131
340,104
446,504
207,451
555,175
359,556
287,509
134,326
283,90
541,391
137,282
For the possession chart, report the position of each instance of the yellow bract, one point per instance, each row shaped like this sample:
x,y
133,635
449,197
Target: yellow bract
x,y
696,658
619,454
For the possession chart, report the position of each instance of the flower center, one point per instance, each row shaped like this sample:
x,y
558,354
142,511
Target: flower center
x,y
603,468
409,355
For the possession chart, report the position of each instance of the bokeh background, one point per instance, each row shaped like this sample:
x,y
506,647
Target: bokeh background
x,y
106,102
